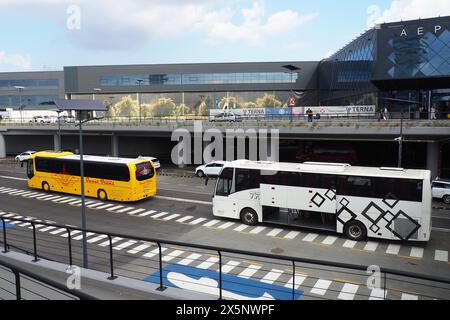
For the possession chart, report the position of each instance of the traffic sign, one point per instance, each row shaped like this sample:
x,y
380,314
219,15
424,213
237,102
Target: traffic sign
x,y
292,102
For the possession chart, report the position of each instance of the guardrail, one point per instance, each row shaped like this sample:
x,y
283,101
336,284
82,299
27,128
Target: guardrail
x,y
38,281
432,287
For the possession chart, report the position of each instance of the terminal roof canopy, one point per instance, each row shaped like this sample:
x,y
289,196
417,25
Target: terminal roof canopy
x,y
80,105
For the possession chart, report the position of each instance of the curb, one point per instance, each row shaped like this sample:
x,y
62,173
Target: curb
x,y
442,208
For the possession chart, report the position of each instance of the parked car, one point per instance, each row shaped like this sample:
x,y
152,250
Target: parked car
x,y
37,119
226,117
440,189
67,119
328,154
210,169
50,119
24,156
155,161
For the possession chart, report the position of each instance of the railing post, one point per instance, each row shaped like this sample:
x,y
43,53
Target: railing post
x,y
161,285
34,243
111,259
5,244
70,247
18,290
220,275
385,288
293,280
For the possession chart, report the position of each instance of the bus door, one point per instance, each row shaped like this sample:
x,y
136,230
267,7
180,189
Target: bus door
x,y
223,205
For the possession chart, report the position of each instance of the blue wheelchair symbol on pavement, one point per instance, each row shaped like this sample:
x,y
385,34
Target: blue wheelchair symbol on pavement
x,y
7,225
207,281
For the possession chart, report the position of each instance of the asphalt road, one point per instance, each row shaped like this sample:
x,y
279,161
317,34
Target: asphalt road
x,y
185,216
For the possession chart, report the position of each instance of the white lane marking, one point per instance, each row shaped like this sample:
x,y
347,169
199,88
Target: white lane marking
x,y
58,199
88,234
74,203
298,282
377,294
28,193
35,225
329,240
230,266
251,270
61,230
274,232
208,263
156,216
172,255
393,249
9,215
154,252
272,276
321,287
19,193
441,255
125,245
349,244
114,208
292,235
26,224
34,195
184,219
416,252
95,205
125,209
2,213
13,178
241,228
136,211
197,221
173,216
348,292
8,190
257,230
310,237
45,197
113,240
189,259
147,213
183,200
225,225
211,223
72,234
371,246
105,206
139,248
406,296
16,222
68,200
47,229
86,203
52,198
98,238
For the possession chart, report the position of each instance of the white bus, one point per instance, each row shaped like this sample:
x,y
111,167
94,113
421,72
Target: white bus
x,y
387,203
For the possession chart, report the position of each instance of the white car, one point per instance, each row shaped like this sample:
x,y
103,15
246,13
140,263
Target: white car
x,y
210,169
226,117
155,161
24,156
441,190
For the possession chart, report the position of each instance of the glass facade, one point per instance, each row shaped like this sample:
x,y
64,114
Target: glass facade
x,y
420,56
30,84
197,78
27,100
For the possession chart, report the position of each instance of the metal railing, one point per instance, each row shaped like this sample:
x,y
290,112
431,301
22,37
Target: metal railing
x,y
56,289
434,287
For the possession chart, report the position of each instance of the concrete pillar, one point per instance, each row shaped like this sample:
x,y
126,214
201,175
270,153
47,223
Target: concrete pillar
x,y
56,142
114,145
433,159
2,146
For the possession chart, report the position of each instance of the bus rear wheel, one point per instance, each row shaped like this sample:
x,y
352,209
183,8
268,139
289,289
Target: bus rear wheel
x,y
249,216
355,230
45,186
101,195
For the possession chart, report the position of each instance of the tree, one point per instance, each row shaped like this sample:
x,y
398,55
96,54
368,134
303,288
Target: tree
x,y
268,101
233,102
202,109
126,107
182,109
163,107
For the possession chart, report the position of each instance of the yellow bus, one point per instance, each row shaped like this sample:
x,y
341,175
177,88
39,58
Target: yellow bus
x,y
117,179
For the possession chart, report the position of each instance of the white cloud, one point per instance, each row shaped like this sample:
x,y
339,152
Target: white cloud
x,y
14,62
106,24
414,9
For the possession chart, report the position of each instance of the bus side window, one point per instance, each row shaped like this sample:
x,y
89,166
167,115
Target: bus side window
x,y
30,170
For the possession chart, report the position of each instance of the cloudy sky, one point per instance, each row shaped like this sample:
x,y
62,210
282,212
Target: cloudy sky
x,y
49,34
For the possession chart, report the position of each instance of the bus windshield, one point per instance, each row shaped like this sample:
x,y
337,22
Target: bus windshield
x,y
144,171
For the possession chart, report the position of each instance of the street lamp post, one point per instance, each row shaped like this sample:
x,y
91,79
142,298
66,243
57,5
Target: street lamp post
x,y
82,107
20,89
400,142
291,69
139,82
59,130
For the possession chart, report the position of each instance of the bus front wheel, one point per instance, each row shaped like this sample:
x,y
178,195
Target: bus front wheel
x,y
355,230
45,186
101,195
249,216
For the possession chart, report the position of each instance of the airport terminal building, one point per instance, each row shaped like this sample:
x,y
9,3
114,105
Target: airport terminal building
x,y
395,65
